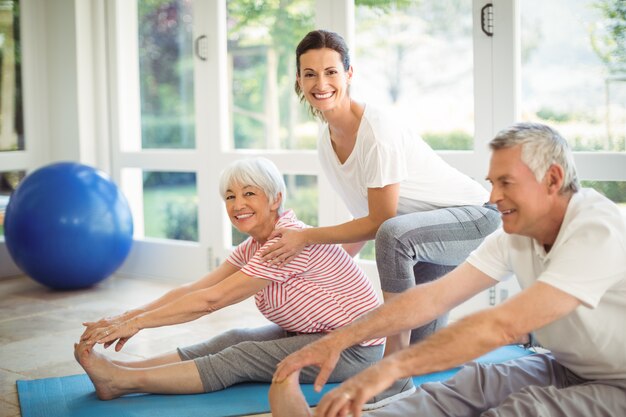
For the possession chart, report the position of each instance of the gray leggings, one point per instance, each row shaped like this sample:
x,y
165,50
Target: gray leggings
x,y
251,355
420,247
535,385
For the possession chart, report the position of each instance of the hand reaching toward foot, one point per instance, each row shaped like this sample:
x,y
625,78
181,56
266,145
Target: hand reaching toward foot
x,y
94,328
108,335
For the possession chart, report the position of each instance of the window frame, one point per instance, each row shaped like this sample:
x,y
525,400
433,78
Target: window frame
x,y
34,99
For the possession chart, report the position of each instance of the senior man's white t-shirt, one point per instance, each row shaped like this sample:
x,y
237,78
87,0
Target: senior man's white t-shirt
x,y
587,261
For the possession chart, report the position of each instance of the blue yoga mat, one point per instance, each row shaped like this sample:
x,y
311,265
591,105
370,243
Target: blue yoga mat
x,y
74,396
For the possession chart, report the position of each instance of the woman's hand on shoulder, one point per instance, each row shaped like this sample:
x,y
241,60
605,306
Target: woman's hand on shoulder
x,y
285,249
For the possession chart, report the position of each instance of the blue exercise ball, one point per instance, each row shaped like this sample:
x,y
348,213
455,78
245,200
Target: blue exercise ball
x,y
68,226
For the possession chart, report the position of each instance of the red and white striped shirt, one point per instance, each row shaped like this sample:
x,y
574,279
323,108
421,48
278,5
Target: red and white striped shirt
x,y
320,290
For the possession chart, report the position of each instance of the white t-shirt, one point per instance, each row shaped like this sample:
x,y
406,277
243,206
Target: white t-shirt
x,y
320,290
387,153
588,261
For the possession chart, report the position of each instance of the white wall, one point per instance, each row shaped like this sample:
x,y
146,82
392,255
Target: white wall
x,y
62,79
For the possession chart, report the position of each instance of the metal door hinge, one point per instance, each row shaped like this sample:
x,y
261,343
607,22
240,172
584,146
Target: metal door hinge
x,y
486,19
202,47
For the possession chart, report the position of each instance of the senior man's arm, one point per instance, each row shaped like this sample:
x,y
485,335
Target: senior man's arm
x,y
454,345
409,310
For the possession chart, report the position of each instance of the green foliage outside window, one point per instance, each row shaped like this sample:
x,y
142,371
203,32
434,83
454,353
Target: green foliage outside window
x,y
613,190
262,38
457,140
181,221
170,205
166,73
608,36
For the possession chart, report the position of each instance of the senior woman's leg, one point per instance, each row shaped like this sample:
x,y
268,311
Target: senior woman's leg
x,y
419,247
172,373
213,345
204,367
112,381
257,361
164,359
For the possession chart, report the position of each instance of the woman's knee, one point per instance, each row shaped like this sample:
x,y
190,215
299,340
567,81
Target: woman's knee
x,y
386,231
389,235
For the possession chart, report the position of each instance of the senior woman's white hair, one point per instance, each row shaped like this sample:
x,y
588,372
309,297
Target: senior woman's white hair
x,y
259,172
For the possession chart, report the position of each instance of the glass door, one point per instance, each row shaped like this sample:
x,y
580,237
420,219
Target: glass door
x,y
573,77
21,122
158,143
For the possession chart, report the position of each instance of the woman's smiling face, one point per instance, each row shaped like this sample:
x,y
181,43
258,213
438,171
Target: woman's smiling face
x,y
250,211
323,79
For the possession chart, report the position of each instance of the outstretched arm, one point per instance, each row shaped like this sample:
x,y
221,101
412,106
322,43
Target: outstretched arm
x,y
454,345
410,309
382,204
219,274
191,306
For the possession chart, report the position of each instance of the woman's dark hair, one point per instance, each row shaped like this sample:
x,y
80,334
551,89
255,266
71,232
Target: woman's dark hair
x,y
319,39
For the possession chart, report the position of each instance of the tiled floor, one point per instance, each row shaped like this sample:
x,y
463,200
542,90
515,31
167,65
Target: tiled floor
x,y
38,328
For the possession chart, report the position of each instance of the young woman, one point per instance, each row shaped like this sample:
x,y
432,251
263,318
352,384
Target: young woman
x,y
425,215
320,290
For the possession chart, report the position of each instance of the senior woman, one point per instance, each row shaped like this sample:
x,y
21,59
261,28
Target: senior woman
x,y
320,290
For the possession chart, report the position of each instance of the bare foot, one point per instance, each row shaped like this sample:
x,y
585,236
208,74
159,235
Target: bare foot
x,y
99,369
286,398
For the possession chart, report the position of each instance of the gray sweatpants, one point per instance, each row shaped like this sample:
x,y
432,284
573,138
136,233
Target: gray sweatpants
x,y
420,247
535,385
251,355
